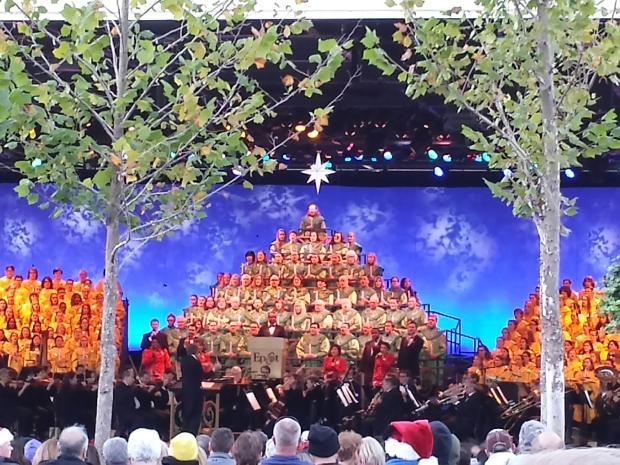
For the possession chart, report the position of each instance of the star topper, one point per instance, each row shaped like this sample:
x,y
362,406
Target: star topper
x,y
318,173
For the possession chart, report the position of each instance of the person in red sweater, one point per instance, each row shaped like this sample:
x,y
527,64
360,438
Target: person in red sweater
x,y
335,363
383,364
155,360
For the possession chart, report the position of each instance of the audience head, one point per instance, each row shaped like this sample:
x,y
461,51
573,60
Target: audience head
x,y
578,456
30,449
47,451
115,451
5,443
455,451
184,448
371,452
73,442
529,430
222,440
248,449
442,442
547,441
143,447
349,450
499,440
323,445
286,435
409,440
204,442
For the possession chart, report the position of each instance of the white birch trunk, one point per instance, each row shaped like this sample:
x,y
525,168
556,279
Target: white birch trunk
x,y
548,226
103,422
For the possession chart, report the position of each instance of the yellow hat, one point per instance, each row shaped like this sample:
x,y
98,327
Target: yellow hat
x,y
184,447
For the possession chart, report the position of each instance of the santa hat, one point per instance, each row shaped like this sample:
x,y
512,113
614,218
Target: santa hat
x,y
411,440
5,436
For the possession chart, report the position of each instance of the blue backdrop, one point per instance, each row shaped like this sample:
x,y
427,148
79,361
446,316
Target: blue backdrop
x,y
463,250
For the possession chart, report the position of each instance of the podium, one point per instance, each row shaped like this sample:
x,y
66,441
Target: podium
x,y
268,357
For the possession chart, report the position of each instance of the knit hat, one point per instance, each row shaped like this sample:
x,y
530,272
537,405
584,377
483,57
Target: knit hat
x,y
410,440
184,448
442,442
5,436
498,440
30,448
529,430
322,441
455,452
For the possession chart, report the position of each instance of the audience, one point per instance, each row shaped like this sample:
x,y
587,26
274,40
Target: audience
x,y
31,448
72,447
547,441
5,445
442,442
350,444
222,441
115,451
499,447
183,450
371,452
324,448
204,441
529,430
143,447
247,449
47,451
286,435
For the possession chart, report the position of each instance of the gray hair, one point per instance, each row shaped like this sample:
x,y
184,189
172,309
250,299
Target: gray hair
x,y
371,452
222,440
547,441
286,433
144,445
73,441
203,441
529,430
115,451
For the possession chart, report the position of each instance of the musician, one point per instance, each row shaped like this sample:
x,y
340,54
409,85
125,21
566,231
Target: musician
x,y
191,392
468,410
409,352
36,398
367,361
10,411
409,391
383,363
143,393
335,365
155,333
272,328
125,403
388,408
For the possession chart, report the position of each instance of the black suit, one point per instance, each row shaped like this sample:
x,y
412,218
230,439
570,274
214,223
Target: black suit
x,y
409,355
279,331
181,350
124,407
367,362
161,338
191,394
391,408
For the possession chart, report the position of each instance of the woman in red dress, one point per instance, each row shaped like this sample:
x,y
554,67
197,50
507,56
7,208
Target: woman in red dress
x,y
383,364
335,363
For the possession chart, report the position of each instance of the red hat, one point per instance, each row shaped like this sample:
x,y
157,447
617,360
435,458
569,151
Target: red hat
x,y
410,440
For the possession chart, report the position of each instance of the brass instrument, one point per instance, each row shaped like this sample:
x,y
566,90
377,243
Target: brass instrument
x,y
451,396
532,400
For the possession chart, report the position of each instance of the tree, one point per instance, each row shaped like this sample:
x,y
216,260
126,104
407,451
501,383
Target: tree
x,y
142,126
525,71
610,301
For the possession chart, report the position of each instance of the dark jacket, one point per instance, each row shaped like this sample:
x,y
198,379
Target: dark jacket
x,y
442,442
64,460
391,408
7,461
283,460
367,363
173,461
191,392
409,355
278,332
161,338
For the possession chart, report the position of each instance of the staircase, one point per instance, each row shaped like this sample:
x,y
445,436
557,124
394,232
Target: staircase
x,y
459,344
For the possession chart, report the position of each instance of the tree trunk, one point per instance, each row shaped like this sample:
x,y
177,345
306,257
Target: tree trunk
x,y
548,226
105,398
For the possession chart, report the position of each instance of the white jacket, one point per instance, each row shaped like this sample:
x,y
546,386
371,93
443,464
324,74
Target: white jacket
x,y
500,458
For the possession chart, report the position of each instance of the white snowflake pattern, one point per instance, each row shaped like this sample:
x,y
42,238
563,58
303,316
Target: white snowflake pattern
x,y
368,220
79,225
281,205
19,236
130,254
603,241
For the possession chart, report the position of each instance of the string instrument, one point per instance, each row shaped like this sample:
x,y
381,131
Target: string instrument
x,y
372,407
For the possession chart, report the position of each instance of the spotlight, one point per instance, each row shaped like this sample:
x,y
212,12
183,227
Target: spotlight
x,y
486,157
328,165
300,127
347,159
373,159
265,157
237,171
478,159
36,163
387,155
437,171
173,154
447,158
569,173
359,157
313,134
286,157
507,172
432,154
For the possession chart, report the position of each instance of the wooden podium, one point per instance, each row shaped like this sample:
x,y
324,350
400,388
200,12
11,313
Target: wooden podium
x,y
268,357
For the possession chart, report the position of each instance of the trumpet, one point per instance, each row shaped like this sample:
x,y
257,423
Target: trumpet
x,y
532,400
452,395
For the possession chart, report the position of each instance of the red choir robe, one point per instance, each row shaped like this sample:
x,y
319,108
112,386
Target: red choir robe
x,y
155,362
336,365
383,364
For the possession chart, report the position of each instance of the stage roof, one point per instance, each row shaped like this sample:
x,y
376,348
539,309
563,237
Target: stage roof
x,y
283,9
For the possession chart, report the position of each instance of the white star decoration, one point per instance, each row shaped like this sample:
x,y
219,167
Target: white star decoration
x,y
318,173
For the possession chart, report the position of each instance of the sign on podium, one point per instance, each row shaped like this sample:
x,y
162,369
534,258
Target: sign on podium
x,y
268,355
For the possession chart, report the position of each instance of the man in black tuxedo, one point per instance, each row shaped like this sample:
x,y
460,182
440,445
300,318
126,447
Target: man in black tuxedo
x,y
272,328
191,391
191,338
409,351
367,362
154,334
390,408
125,405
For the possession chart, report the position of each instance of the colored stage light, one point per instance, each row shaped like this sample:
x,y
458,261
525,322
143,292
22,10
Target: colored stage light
x,y
447,158
36,163
265,157
373,159
387,155
328,165
300,127
507,172
237,171
437,171
347,159
313,134
478,159
286,157
569,173
432,154
173,154
359,157
486,157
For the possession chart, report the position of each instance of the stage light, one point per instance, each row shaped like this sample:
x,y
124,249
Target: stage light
x,y
173,154
237,171
300,127
432,154
347,159
328,165
478,159
437,171
286,157
359,157
569,173
387,155
373,159
265,157
313,134
447,158
486,157
507,172
36,163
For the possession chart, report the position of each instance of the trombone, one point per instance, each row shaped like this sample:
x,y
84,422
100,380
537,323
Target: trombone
x,y
452,395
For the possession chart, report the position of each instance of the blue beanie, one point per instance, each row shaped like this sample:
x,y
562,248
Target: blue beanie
x,y
31,448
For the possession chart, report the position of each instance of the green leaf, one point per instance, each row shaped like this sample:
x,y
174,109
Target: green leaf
x,y
102,178
22,189
32,198
62,51
146,54
248,185
325,45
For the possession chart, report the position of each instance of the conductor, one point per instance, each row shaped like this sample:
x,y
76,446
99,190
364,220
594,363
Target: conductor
x,y
191,392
